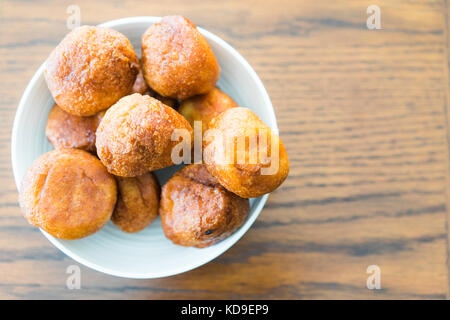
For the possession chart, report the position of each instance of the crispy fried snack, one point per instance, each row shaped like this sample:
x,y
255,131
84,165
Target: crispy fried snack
x,y
90,70
65,130
137,203
135,135
177,60
205,107
197,211
139,85
173,103
68,193
243,154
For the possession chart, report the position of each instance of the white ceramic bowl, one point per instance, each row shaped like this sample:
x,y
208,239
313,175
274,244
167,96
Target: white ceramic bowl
x,y
146,254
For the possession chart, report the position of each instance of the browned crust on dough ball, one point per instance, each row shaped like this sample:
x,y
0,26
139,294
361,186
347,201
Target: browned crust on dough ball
x,y
91,69
244,178
205,107
197,211
173,103
65,130
137,203
139,85
135,135
68,193
177,60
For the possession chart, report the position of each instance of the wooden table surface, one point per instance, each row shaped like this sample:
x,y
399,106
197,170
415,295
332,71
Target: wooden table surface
x,y
363,114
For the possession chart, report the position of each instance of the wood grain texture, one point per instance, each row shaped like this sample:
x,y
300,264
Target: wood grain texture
x,y
363,115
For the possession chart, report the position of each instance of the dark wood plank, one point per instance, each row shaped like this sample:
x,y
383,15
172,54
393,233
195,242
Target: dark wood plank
x,y
447,104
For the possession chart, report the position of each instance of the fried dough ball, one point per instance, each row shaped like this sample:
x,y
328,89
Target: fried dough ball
x,y
137,203
197,211
250,174
135,135
205,107
173,103
167,101
91,69
177,60
68,193
65,130
139,85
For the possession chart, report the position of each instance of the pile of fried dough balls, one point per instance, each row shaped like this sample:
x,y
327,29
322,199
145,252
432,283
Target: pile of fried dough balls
x,y
111,127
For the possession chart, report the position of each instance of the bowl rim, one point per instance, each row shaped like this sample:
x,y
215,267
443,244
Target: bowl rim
x,y
207,258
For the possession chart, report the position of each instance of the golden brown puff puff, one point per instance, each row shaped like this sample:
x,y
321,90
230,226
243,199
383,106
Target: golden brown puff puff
x,y
135,135
250,174
90,70
137,203
65,130
206,106
177,60
173,103
68,193
139,85
197,211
